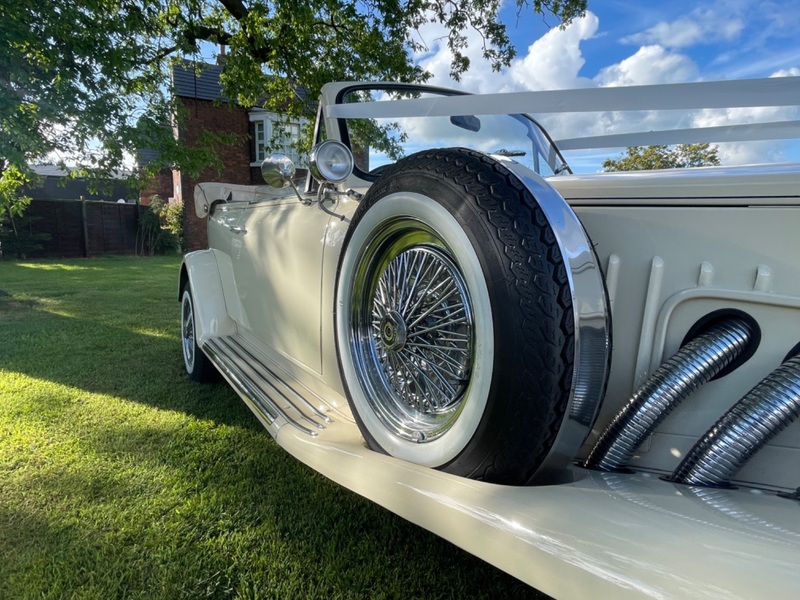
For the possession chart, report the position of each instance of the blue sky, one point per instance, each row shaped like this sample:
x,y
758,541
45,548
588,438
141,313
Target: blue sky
x,y
733,39
634,43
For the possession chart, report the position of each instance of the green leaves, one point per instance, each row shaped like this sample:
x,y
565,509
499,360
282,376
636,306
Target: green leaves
x,y
640,158
12,204
77,72
78,77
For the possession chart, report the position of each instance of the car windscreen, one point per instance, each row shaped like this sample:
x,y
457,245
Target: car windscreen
x,y
378,142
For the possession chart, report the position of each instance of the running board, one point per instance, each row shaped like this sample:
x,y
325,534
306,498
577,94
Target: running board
x,y
266,393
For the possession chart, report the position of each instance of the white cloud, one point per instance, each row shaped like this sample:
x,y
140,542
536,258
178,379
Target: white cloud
x,y
555,60
436,59
739,153
792,72
552,62
742,153
701,27
649,65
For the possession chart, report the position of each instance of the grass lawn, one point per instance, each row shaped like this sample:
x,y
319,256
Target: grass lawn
x,y
120,478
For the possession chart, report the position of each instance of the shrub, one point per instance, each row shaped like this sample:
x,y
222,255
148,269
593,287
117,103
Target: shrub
x,y
17,238
161,227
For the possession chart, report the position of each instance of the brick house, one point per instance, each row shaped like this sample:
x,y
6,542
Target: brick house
x,y
198,90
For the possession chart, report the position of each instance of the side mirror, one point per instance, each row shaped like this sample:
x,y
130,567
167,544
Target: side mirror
x,y
278,170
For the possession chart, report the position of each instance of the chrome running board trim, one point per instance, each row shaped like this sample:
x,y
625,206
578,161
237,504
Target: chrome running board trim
x,y
269,396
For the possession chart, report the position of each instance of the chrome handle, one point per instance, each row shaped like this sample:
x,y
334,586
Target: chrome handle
x,y
238,230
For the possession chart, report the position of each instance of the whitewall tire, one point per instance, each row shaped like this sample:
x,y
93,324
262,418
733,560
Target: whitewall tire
x,y
198,366
454,319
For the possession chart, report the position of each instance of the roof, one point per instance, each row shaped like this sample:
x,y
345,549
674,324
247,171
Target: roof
x,y
201,81
50,170
145,156
197,80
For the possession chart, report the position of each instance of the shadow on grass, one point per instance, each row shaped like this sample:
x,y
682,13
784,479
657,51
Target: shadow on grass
x,y
115,361
240,520
103,497
190,510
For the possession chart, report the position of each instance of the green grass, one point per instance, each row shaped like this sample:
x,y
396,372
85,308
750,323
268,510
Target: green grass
x,y
120,478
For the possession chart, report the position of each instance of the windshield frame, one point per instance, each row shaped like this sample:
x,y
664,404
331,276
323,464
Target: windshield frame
x,y
544,144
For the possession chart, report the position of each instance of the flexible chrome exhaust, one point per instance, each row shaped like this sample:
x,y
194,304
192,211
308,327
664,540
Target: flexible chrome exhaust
x,y
697,362
735,438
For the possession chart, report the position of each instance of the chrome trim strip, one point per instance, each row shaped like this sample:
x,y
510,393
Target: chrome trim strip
x,y
232,374
592,351
247,384
270,391
262,373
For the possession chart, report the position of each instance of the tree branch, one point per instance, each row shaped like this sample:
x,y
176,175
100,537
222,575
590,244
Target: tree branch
x,y
237,9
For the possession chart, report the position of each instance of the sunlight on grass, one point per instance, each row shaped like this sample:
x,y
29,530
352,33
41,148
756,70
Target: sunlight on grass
x,y
120,478
44,266
156,333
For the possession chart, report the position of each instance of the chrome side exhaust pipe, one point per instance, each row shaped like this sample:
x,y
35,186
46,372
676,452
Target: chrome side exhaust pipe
x,y
748,426
696,363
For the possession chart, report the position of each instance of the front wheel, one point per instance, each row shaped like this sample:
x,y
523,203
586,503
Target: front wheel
x,y
455,325
197,364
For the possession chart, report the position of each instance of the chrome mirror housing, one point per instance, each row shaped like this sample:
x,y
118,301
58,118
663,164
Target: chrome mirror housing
x,y
278,170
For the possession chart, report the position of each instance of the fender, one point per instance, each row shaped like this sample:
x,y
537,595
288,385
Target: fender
x,y
201,270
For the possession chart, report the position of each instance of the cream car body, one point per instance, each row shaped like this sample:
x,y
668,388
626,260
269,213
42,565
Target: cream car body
x,y
674,246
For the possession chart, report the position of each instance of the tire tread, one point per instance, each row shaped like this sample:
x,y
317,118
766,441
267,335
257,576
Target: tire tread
x,y
536,275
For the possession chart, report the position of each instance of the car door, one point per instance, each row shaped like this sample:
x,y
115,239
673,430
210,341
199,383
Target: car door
x,y
278,272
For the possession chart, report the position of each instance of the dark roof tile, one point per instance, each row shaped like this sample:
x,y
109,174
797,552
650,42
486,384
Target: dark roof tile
x,y
197,80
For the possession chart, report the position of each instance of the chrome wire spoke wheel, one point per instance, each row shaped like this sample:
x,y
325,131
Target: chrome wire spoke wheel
x,y
471,327
187,331
198,365
412,331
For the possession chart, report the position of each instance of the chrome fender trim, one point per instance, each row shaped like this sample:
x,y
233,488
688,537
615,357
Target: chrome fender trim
x,y
592,352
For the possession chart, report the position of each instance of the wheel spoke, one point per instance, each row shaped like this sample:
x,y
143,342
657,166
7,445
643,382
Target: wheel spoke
x,y
440,352
414,276
410,371
423,294
441,372
439,327
438,393
417,354
445,390
436,306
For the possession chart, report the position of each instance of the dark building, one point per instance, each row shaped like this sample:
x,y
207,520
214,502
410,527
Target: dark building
x,y
54,183
204,109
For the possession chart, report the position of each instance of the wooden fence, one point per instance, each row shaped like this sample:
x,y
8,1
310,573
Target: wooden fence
x,y
80,228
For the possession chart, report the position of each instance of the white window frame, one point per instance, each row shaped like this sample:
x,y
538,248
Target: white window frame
x,y
264,124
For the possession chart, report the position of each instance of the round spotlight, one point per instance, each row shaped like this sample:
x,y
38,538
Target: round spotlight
x,y
330,161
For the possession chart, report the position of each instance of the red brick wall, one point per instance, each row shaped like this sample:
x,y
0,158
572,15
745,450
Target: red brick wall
x,y
160,186
199,116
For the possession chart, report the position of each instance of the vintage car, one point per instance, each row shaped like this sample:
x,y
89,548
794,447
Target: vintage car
x,y
587,380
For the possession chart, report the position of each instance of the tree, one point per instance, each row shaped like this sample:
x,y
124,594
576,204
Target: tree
x,y
88,79
640,158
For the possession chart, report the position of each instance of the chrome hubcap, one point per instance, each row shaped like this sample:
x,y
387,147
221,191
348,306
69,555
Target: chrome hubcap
x,y
392,331
412,332
187,332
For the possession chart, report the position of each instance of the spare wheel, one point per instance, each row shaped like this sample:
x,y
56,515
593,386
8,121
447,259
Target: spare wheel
x,y
472,328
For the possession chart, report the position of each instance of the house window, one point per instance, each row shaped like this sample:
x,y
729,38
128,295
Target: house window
x,y
273,134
